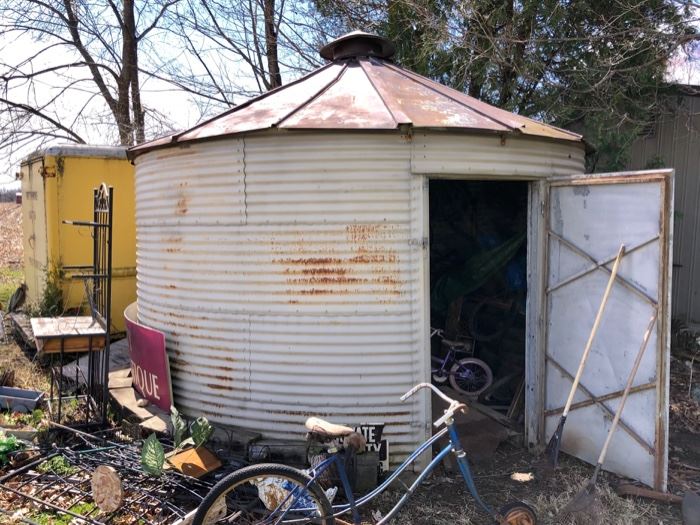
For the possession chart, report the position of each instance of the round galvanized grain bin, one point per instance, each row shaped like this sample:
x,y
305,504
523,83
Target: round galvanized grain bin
x,y
281,247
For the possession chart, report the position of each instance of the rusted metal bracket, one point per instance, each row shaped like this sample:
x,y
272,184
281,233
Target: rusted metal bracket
x,y
48,172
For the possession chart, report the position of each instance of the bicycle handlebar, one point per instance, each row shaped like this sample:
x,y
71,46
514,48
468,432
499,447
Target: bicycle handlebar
x,y
449,412
426,385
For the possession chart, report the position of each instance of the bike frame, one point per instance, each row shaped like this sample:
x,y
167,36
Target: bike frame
x,y
454,446
445,363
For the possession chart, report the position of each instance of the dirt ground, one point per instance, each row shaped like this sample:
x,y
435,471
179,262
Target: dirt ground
x,y
443,498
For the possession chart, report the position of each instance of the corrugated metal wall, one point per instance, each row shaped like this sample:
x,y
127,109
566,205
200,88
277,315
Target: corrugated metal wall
x,y
287,275
459,155
675,143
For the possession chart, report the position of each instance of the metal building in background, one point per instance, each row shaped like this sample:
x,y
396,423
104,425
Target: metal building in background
x,y
674,141
282,248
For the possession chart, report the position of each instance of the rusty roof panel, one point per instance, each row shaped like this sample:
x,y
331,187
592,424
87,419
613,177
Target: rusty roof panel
x,y
267,110
351,100
363,92
513,121
424,107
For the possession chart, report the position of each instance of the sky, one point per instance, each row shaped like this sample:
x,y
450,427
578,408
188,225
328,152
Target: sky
x,y
157,95
164,98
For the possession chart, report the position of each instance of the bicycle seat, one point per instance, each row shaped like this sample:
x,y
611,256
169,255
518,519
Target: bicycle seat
x,y
324,428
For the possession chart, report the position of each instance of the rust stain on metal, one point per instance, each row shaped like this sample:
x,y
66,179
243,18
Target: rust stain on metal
x,y
182,204
316,271
371,267
329,280
319,291
362,93
375,258
310,261
359,233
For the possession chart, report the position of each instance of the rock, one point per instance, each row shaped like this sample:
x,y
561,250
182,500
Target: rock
x,y
691,509
696,393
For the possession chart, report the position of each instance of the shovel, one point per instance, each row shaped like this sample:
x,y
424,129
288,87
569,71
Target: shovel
x,y
585,498
552,450
690,502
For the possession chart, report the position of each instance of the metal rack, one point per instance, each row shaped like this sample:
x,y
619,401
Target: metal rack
x,y
98,290
147,499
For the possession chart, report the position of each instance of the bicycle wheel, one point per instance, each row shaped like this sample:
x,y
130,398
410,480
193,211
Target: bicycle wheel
x,y
518,513
264,494
471,376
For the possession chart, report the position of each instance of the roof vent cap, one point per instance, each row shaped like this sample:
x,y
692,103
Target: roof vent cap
x,y
358,44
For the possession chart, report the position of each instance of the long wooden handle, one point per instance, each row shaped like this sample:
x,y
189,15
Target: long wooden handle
x,y
628,386
594,330
642,492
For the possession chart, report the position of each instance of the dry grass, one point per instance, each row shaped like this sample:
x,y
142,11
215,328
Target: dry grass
x,y
11,251
10,279
443,500
28,374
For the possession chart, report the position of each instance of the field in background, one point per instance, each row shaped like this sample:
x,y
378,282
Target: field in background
x,y
11,274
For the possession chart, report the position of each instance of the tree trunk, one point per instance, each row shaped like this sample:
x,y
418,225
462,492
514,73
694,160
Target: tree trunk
x,y
137,131
273,66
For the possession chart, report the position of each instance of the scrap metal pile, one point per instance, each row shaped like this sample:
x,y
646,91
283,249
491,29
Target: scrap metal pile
x,y
63,484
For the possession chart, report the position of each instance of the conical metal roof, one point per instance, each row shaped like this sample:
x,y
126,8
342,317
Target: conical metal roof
x,y
361,89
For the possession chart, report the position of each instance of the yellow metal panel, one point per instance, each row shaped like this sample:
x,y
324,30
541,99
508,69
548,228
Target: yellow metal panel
x,y
67,194
33,228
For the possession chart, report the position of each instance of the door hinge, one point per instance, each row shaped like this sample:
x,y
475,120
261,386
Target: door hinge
x,y
542,208
422,243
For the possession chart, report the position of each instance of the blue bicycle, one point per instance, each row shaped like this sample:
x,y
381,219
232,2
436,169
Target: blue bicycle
x,y
272,494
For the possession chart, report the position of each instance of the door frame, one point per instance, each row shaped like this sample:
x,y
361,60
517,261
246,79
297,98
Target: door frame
x,y
535,334
536,329
534,346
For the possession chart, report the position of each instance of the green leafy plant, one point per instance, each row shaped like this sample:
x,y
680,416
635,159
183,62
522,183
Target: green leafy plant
x,y
36,418
54,518
58,465
179,426
152,456
8,444
18,419
51,303
201,430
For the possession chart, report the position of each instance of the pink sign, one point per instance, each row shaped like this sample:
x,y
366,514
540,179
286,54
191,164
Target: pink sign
x,y
150,369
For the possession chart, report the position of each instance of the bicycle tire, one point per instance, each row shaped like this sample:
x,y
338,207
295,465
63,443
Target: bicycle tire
x,y
518,513
471,376
253,504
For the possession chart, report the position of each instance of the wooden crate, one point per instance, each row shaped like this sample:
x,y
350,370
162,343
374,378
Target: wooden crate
x,y
75,332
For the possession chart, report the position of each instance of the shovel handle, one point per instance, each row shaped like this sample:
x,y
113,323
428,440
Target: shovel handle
x,y
594,330
628,386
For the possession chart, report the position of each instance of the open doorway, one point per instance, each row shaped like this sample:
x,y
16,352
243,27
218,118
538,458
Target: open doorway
x,y
478,286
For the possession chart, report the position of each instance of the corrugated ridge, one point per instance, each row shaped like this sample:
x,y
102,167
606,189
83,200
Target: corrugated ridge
x,y
296,293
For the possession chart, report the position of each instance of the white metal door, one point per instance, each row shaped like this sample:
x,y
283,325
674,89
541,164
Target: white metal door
x,y
587,218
